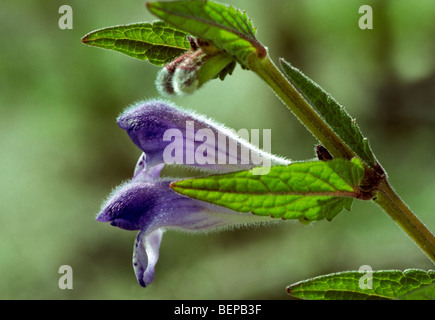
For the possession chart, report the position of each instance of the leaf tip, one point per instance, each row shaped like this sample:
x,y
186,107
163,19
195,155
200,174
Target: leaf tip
x,y
290,292
282,61
172,185
149,5
176,186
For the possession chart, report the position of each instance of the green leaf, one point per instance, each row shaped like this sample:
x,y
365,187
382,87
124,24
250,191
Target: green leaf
x,y
225,27
424,293
307,190
355,285
156,42
332,112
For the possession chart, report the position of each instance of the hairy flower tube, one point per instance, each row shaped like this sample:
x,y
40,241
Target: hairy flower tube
x,y
169,135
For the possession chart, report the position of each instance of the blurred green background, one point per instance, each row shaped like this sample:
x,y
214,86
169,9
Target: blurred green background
x,y
62,152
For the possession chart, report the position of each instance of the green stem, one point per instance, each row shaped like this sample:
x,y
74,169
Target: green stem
x,y
386,198
267,70
394,206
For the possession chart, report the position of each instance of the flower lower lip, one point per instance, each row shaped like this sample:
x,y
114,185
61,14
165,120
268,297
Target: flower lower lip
x,y
123,224
148,204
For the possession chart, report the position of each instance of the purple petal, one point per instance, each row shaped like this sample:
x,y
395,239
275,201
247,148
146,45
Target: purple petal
x,y
151,206
145,255
167,134
147,205
125,205
143,172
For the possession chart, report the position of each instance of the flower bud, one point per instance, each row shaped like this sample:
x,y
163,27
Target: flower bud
x,y
164,77
193,69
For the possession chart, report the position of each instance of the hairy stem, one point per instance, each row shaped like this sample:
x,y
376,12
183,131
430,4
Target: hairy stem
x,y
268,71
394,206
386,197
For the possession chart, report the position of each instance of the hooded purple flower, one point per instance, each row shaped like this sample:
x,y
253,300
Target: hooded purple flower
x,y
168,135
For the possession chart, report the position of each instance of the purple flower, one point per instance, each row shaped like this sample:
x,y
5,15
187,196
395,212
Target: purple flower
x,y
168,135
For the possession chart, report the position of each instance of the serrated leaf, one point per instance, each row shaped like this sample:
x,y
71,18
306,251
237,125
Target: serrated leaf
x,y
225,27
307,190
333,113
156,42
350,285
